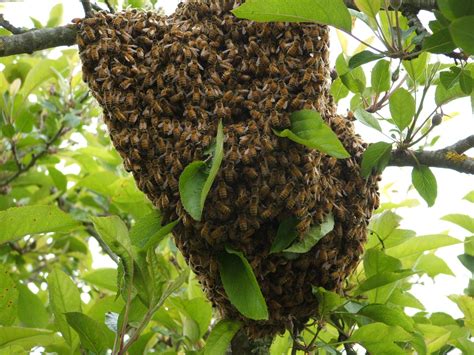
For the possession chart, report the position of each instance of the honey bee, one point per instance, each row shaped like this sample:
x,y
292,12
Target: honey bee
x,y
293,49
205,231
254,205
241,197
182,78
221,111
125,84
267,213
285,192
89,33
233,154
217,233
129,99
249,154
264,190
307,76
223,190
119,114
303,226
94,52
223,209
295,172
282,103
251,173
190,113
308,44
170,72
176,98
196,95
264,168
229,173
290,203
142,125
243,223
194,136
145,142
216,78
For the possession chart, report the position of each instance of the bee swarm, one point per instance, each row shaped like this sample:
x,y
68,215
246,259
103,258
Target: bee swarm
x,y
165,82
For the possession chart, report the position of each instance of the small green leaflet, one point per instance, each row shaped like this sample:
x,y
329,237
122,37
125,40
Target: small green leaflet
x,y
310,239
462,220
286,234
241,286
8,297
380,78
375,158
220,337
308,128
369,7
382,279
439,42
327,12
402,107
425,183
197,178
327,301
389,315
367,118
362,58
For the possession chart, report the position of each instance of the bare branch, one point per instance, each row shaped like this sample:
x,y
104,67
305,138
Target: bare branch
x,y
86,4
36,40
451,157
109,6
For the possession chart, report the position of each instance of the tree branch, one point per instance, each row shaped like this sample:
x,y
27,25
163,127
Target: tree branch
x,y
427,5
9,27
451,157
35,40
86,5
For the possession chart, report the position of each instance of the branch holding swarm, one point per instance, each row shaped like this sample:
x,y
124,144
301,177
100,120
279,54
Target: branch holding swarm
x,y
451,157
35,40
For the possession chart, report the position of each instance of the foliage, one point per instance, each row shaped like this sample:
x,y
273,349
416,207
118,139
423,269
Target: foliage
x,y
63,191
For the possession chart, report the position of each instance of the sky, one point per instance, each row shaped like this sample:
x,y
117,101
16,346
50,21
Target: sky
x,y
452,186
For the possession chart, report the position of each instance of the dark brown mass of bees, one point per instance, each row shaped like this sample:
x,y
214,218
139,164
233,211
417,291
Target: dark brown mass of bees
x,y
165,82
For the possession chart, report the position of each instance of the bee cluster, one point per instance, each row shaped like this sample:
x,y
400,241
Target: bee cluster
x,y
164,84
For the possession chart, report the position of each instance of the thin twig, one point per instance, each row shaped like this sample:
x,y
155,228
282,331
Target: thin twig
x,y
8,26
109,6
62,130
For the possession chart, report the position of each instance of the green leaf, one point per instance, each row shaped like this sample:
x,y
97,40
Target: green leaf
x,y
380,79
402,107
8,297
432,265
148,231
286,234
435,337
466,82
443,96
102,278
376,262
314,235
466,305
114,233
367,118
94,336
16,222
416,67
220,337
195,181
241,286
369,7
55,16
59,179
36,22
382,279
425,183
327,301
354,80
462,220
439,42
379,338
309,129
326,12
420,244
31,310
63,297
405,299
27,338
362,58
338,90
281,344
449,78
468,261
200,311
388,315
375,158
462,33
469,197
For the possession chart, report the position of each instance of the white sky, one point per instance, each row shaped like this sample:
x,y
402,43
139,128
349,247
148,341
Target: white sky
x,y
452,186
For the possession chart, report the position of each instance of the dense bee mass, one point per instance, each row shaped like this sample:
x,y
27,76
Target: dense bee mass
x,y
165,82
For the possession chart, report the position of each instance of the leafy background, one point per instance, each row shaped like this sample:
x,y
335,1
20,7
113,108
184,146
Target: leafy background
x,y
56,272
